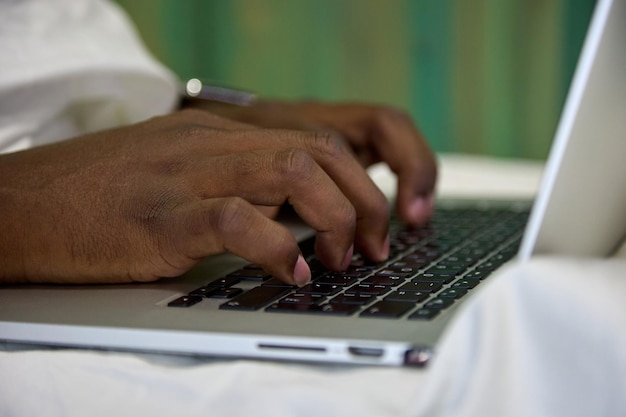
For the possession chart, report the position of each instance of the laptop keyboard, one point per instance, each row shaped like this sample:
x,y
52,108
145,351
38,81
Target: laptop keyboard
x,y
428,270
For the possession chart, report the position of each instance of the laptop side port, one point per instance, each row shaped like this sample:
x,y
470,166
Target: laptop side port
x,y
369,352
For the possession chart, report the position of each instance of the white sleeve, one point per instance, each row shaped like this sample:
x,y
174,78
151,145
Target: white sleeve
x,y
70,67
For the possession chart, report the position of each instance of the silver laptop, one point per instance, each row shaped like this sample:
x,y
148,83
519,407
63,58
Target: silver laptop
x,y
390,314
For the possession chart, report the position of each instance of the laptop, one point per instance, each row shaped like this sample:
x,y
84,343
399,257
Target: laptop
x,y
387,314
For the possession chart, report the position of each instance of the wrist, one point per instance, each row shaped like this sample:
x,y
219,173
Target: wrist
x,y
12,262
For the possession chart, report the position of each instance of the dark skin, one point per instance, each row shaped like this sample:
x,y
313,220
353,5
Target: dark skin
x,y
151,200
374,134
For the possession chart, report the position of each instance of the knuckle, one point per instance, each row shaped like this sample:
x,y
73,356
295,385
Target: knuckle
x,y
329,146
389,117
295,163
232,215
346,216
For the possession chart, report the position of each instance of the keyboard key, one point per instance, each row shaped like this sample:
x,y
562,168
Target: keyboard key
x,y
437,277
444,269
488,266
477,274
387,309
466,261
332,279
275,282
408,237
474,253
205,291
407,296
185,301
254,299
396,248
247,274
323,289
383,280
395,272
404,268
360,299
363,263
349,274
411,261
500,258
225,292
368,289
421,286
420,256
330,309
467,283
424,314
224,282
359,271
439,303
453,293
303,298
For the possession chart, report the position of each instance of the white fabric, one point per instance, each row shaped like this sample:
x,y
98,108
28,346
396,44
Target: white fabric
x,y
547,338
542,339
69,67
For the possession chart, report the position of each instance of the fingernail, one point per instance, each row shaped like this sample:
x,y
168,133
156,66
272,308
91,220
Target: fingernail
x,y
422,208
347,260
417,209
301,272
385,252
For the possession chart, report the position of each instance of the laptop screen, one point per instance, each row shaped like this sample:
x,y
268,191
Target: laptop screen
x,y
581,208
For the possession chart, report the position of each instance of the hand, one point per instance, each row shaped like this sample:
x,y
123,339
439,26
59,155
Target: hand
x,y
375,133
151,200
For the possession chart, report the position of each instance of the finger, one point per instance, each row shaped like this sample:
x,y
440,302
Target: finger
x,y
274,177
384,133
404,149
269,211
208,227
331,154
372,232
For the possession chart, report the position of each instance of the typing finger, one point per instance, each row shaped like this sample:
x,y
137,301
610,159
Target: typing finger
x,y
208,227
331,154
274,177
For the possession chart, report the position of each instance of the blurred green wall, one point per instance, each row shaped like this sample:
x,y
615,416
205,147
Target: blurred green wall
x,y
480,76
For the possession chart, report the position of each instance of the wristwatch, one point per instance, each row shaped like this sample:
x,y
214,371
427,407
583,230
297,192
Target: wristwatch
x,y
194,88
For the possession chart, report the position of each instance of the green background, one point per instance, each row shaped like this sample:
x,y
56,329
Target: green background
x,y
479,76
